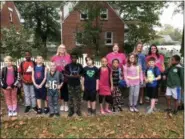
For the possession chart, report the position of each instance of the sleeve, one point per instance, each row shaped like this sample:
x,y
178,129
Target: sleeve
x,y
124,59
1,77
158,72
143,64
96,74
17,76
84,72
81,70
66,71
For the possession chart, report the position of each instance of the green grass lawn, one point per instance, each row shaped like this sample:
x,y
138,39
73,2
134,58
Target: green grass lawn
x,y
124,125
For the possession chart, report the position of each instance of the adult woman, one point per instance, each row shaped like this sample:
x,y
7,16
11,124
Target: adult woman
x,y
154,52
159,59
62,58
141,61
116,55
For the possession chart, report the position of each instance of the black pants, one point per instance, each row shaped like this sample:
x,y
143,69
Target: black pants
x,y
64,92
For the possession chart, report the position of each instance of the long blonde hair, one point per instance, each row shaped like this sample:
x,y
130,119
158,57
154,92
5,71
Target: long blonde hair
x,y
135,48
61,46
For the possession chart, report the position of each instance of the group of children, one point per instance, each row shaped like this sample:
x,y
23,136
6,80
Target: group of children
x,y
41,83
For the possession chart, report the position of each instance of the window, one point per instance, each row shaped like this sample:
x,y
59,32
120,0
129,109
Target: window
x,y
79,37
108,38
84,15
10,15
104,14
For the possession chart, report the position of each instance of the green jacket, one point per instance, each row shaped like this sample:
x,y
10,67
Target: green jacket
x,y
175,76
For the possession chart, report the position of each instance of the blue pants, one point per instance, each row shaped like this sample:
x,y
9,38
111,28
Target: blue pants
x,y
53,96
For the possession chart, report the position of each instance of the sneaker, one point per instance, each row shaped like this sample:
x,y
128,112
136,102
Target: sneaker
x,y
39,111
102,111
79,113
62,108
27,109
89,111
57,114
10,113
46,110
51,115
135,109
131,109
94,112
168,110
70,114
175,112
120,109
150,111
66,108
14,113
108,111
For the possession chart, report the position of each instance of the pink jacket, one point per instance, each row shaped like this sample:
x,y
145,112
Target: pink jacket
x,y
133,75
159,61
120,56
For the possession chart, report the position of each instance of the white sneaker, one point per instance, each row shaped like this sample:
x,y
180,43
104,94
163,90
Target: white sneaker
x,y
66,108
10,113
135,109
14,113
150,111
62,108
131,109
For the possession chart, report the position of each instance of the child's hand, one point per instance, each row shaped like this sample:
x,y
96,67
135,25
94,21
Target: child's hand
x,y
164,77
39,86
59,87
46,85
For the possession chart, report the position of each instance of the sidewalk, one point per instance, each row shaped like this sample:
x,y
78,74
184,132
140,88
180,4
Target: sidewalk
x,y
142,109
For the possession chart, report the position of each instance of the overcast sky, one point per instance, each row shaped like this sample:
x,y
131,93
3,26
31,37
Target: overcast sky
x,y
176,20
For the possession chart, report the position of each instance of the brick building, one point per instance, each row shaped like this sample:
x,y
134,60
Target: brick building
x,y
112,29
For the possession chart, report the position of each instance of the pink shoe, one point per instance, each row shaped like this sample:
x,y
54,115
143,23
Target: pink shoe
x,y
102,111
108,111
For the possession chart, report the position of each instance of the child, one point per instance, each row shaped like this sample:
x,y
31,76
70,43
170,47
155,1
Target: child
x,y
73,73
153,75
39,79
25,70
90,85
105,86
116,77
54,83
134,77
175,82
9,81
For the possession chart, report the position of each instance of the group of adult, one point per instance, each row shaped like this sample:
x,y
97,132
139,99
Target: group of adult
x,y
62,58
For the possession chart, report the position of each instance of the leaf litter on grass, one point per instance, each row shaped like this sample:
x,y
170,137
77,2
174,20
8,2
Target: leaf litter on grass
x,y
124,125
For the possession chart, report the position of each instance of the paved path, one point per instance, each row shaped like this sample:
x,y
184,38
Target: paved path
x,y
142,109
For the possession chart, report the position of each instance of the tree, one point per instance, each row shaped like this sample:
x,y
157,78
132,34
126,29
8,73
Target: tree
x,y
44,19
15,42
92,28
180,9
140,18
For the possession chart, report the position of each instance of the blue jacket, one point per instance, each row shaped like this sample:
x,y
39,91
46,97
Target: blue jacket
x,y
142,61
